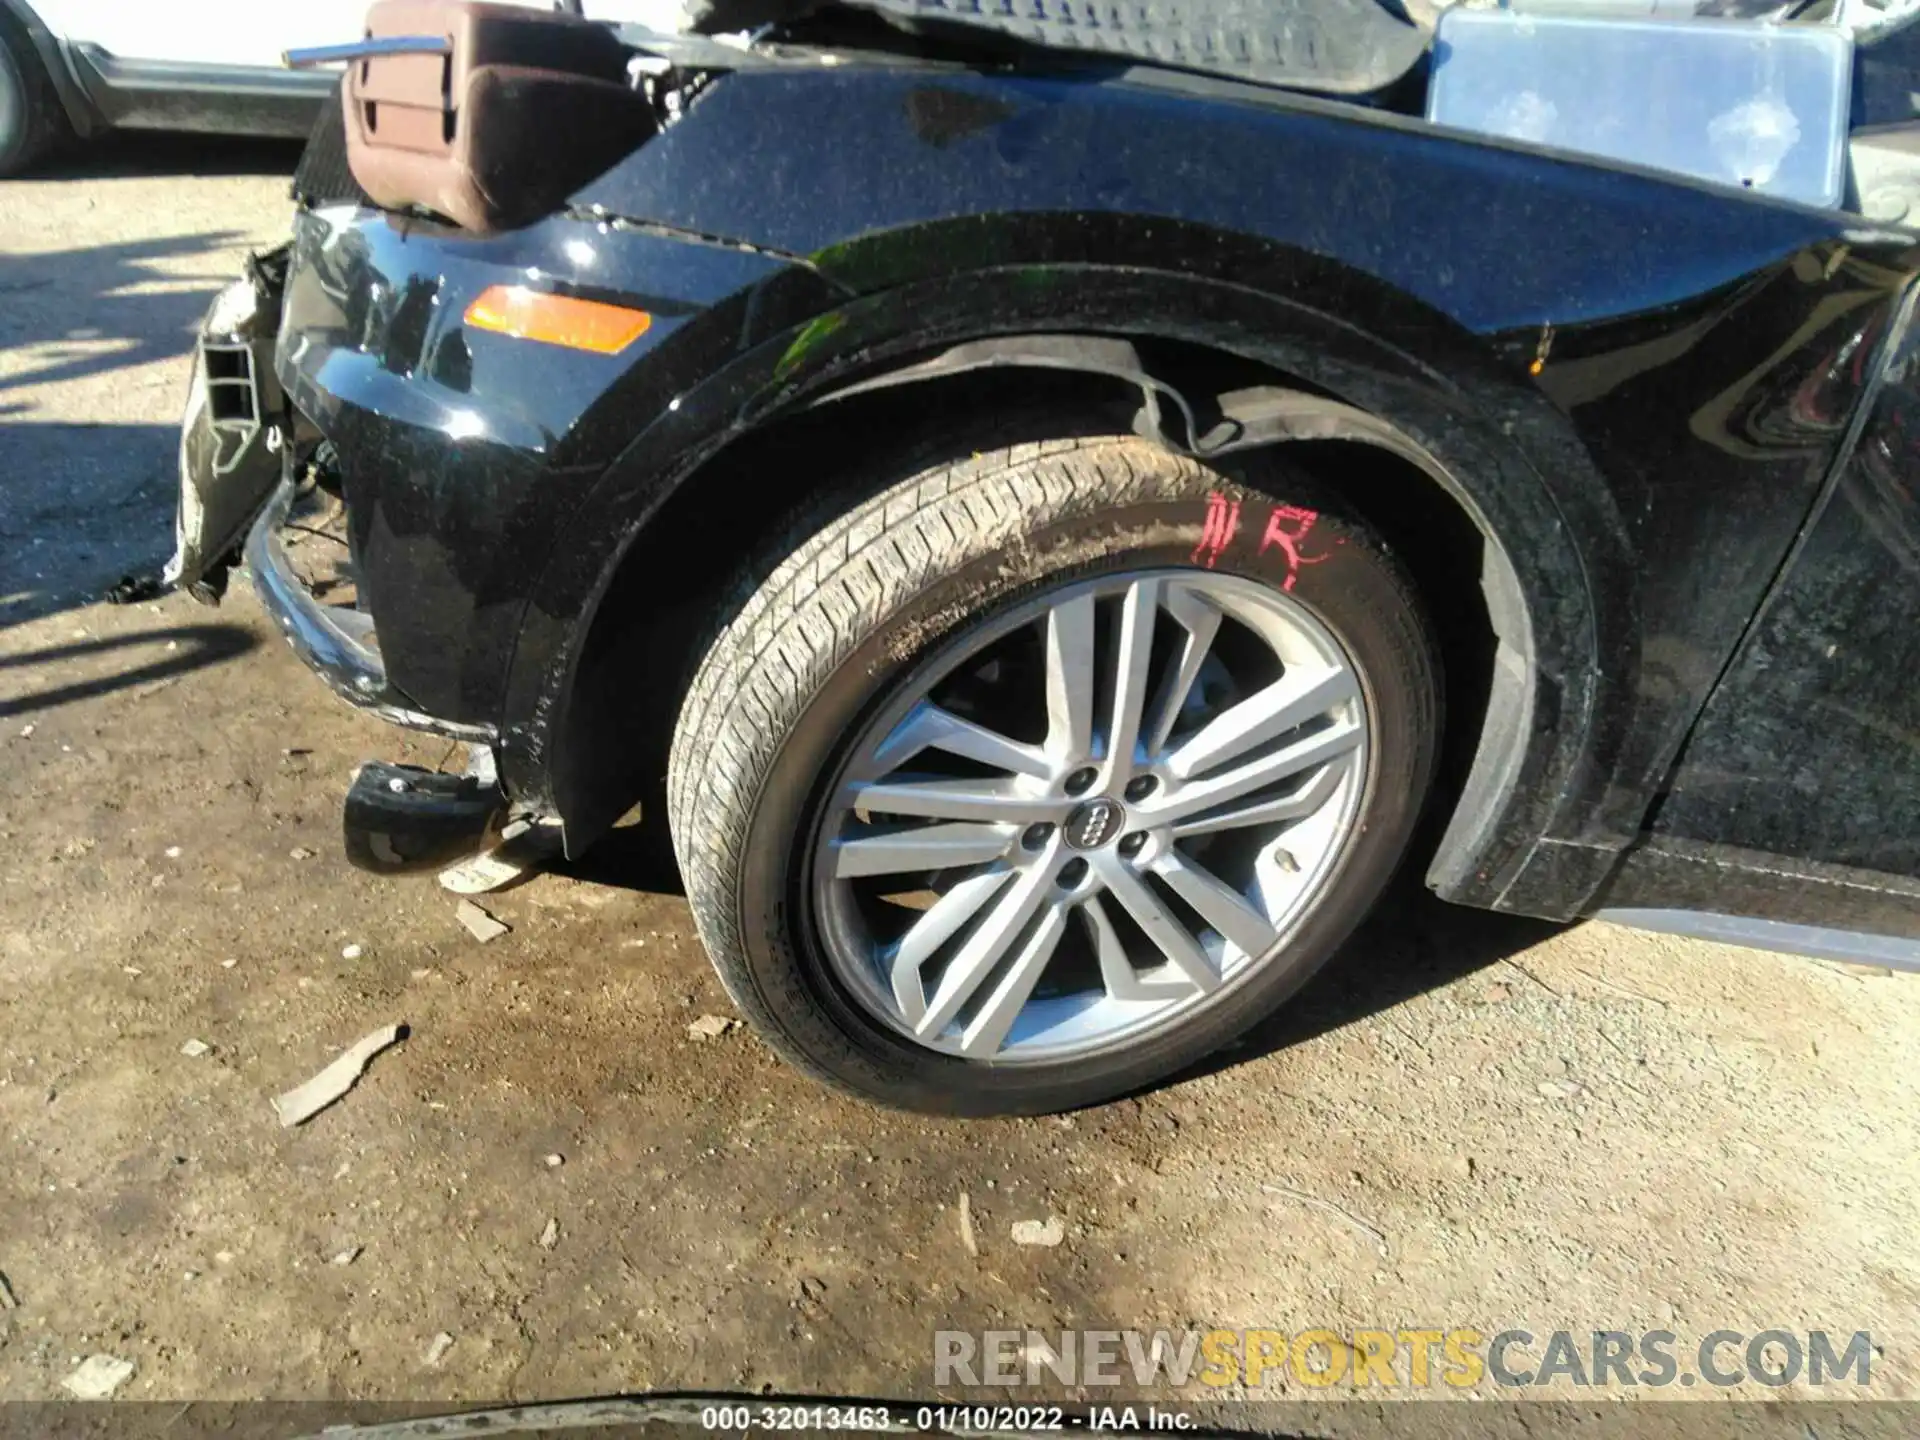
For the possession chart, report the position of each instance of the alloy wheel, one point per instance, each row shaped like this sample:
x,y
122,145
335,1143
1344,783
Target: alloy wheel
x,y
1092,817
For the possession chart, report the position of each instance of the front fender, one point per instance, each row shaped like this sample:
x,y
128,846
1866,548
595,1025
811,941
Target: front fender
x,y
883,176
1488,447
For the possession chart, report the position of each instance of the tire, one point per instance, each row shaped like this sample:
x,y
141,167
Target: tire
x,y
856,608
31,120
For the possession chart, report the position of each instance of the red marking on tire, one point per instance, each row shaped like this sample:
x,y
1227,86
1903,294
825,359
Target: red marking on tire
x,y
1287,527
1222,524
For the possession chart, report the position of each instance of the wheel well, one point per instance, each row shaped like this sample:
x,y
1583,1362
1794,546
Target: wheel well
x,y
1445,553
639,656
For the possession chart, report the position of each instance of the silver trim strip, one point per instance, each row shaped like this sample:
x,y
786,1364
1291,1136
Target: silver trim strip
x,y
367,49
1852,946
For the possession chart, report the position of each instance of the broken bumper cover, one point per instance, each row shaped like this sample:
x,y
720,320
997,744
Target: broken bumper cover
x,y
401,819
231,436
337,642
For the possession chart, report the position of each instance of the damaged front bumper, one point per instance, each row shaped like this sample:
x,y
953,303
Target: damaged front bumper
x,y
246,477
244,471
337,642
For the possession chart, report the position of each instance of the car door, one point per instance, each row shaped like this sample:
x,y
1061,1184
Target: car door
x,y
1798,792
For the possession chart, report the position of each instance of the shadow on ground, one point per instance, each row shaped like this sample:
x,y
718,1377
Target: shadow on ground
x,y
128,153
103,308
1413,943
180,651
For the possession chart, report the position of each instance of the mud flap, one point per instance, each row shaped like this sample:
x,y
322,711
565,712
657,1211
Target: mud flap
x,y
233,433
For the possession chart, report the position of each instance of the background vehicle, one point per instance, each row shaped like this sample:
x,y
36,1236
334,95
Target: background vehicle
x,y
75,68
1044,533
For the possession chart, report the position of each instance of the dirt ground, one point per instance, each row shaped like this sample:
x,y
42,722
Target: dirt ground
x,y
1472,1122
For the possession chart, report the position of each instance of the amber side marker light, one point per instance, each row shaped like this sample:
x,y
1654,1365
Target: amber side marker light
x,y
557,319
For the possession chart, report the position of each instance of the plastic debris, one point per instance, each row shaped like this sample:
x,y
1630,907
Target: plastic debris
x,y
194,1049
351,952
98,1377
347,1256
710,1027
300,852
437,1351
967,1239
1048,1232
524,849
482,926
303,1102
550,1236
556,1160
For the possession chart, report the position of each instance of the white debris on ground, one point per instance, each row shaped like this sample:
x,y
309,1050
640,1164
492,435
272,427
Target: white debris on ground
x,y
347,1256
1048,1232
550,1236
194,1049
967,1239
526,847
437,1351
482,926
303,1102
710,1027
352,952
98,1377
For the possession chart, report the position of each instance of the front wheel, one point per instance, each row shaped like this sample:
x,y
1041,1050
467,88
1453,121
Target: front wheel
x,y
1035,776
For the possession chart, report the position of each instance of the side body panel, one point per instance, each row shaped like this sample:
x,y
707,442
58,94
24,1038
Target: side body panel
x,y
1694,349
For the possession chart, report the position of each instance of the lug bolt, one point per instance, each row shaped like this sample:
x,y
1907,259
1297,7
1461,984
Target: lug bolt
x,y
1081,781
1141,786
1131,845
1036,835
1072,873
